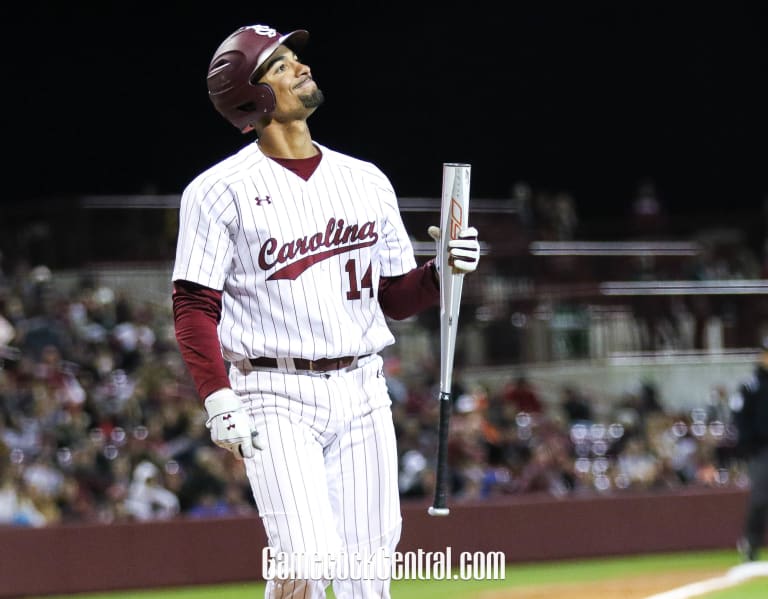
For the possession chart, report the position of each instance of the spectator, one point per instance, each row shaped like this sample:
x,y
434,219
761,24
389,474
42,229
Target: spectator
x,y
17,503
648,213
204,482
522,396
147,498
576,406
397,388
637,464
550,470
565,218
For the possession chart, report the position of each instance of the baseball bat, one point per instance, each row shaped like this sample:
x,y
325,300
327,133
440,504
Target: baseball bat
x,y
454,212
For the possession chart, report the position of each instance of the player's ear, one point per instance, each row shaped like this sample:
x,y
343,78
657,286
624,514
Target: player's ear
x,y
260,122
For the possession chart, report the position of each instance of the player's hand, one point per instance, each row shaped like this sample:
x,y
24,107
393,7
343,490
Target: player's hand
x,y
463,252
229,424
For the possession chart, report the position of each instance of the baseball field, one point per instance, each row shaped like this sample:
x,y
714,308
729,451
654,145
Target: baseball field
x,y
711,574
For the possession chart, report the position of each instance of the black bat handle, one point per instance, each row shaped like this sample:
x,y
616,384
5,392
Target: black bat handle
x,y
439,505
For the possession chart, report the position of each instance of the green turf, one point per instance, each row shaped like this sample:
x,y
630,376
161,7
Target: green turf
x,y
516,575
754,589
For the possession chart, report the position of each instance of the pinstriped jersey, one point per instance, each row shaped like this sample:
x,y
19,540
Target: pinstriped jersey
x,y
299,261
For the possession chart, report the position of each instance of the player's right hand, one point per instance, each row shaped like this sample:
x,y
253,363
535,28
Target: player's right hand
x,y
229,424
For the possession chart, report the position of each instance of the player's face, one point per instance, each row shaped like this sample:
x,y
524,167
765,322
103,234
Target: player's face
x,y
296,92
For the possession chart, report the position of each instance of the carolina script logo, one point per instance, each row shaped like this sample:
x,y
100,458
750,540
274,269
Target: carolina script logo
x,y
338,238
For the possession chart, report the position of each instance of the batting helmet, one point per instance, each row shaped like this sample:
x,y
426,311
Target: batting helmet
x,y
232,84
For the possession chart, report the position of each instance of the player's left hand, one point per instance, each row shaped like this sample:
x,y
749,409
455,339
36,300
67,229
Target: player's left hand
x,y
463,252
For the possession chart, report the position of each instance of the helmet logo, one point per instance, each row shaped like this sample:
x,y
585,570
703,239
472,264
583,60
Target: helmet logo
x,y
264,30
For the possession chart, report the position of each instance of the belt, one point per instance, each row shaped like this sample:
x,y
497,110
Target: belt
x,y
321,365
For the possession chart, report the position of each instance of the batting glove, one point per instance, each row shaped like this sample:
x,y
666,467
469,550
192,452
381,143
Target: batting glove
x,y
229,424
463,252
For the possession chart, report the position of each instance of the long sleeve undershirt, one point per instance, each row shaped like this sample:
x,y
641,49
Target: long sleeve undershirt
x,y
197,311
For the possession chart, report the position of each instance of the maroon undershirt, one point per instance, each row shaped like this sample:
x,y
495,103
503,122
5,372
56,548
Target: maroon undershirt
x,y
197,309
303,167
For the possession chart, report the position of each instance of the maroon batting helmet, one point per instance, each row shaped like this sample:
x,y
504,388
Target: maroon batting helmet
x,y
232,84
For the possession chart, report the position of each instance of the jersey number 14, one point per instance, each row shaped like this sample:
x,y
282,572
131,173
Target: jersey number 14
x,y
366,282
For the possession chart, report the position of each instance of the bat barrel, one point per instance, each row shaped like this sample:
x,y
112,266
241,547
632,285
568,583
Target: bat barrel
x,y
454,216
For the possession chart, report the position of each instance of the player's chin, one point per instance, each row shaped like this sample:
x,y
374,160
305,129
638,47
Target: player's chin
x,y
312,99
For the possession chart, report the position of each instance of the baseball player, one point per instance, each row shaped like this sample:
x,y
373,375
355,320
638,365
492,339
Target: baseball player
x,y
750,416
289,257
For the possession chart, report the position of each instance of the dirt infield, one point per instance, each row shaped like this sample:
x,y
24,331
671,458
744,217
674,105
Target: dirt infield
x,y
636,587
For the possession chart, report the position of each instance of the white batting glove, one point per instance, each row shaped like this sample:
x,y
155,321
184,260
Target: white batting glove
x,y
229,424
463,252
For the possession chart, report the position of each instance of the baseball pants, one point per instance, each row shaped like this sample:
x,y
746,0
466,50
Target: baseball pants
x,y
756,521
325,481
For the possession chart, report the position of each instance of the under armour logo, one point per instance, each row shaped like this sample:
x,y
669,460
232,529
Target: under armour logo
x,y
259,201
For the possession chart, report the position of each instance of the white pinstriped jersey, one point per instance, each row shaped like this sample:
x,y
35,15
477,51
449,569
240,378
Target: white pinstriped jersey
x,y
299,261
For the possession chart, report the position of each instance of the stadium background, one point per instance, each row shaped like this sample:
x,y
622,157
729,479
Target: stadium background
x,y
636,129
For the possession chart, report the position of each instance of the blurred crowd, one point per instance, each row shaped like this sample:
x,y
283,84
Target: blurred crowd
x,y
99,422
511,442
